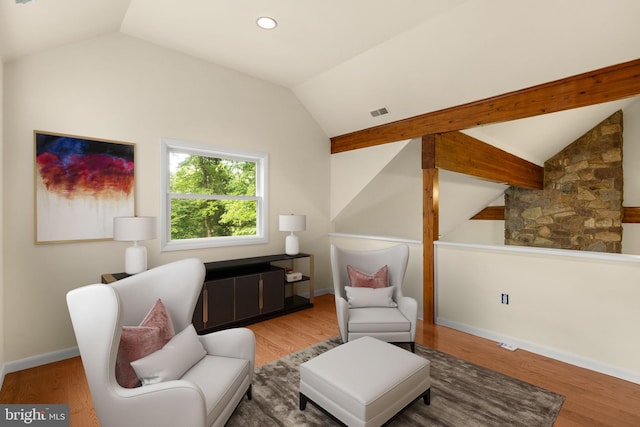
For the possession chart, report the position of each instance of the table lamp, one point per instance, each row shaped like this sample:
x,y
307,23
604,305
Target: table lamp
x,y
134,229
292,223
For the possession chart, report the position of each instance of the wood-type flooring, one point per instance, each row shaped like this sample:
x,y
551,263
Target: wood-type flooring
x,y
592,399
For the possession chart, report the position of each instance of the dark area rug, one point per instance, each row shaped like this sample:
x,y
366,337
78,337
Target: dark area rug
x,y
462,394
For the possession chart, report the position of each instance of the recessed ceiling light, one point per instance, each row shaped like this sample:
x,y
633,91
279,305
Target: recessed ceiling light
x,y
266,23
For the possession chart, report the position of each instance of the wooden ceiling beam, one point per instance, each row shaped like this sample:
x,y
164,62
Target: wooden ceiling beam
x,y
493,213
630,215
457,152
594,87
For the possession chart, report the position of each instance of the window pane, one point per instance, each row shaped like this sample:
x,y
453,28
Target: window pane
x,y
193,218
192,174
214,196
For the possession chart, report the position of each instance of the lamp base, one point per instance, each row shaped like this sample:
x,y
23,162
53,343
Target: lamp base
x,y
292,245
135,259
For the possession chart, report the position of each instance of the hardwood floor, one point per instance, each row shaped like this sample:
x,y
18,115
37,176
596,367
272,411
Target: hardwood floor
x,y
592,399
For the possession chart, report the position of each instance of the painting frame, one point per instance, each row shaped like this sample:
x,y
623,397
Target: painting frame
x,y
80,185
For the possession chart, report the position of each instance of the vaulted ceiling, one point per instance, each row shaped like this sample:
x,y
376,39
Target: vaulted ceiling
x,y
344,59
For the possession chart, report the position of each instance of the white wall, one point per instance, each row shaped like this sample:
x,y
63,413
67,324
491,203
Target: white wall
x,y
630,162
386,208
483,232
352,171
390,204
578,307
120,88
581,308
2,299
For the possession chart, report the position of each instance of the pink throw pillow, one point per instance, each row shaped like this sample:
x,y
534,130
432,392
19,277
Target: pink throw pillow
x,y
136,342
159,317
358,279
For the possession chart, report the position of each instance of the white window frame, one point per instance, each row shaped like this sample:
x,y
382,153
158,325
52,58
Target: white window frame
x,y
168,146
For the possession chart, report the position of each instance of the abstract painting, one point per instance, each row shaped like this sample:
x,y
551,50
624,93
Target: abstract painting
x,y
81,184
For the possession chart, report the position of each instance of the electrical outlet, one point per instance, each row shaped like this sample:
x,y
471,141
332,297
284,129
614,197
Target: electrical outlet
x,y
505,298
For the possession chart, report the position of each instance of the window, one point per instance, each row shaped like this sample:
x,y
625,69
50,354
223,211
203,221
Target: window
x,y
212,196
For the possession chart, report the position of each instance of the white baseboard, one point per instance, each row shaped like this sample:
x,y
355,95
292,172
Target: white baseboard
x,y
562,356
33,361
319,292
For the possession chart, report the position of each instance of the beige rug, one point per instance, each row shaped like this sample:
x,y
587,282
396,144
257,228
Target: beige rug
x,y
462,394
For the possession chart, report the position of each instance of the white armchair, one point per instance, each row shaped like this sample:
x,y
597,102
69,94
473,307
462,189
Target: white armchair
x,y
206,395
391,324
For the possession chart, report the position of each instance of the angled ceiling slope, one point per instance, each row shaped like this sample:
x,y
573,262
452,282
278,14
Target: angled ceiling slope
x,y
389,203
344,59
538,138
352,171
311,37
43,24
476,50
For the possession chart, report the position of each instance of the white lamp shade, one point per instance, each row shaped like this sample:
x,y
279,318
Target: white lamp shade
x,y
134,228
293,222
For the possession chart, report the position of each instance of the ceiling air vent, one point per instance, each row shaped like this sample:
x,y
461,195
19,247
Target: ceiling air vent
x,y
379,112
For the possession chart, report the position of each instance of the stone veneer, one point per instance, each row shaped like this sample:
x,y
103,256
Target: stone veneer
x,y
580,206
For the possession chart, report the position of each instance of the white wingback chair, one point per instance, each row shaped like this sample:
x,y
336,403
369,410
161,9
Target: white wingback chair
x,y
206,395
385,323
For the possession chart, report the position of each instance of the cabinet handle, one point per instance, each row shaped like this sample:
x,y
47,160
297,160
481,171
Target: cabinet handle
x,y
261,302
205,306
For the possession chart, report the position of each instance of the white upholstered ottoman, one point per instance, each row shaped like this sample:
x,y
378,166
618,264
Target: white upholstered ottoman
x,y
364,382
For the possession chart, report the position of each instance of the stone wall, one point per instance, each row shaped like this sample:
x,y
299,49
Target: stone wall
x,y
580,206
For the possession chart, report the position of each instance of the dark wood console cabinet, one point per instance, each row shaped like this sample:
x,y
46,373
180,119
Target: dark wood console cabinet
x,y
243,291
239,292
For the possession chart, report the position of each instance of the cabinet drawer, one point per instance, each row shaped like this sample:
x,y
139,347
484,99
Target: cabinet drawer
x,y
247,296
272,290
219,302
